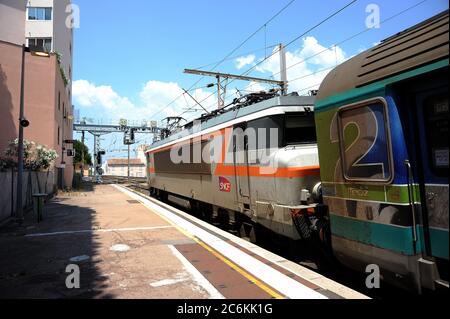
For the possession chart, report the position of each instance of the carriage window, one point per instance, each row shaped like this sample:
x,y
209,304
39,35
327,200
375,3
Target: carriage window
x,y
365,142
436,125
300,128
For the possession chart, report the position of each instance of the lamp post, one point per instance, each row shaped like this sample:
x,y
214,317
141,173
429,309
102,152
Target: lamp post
x,y
23,123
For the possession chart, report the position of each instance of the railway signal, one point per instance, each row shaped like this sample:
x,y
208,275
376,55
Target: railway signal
x,y
123,127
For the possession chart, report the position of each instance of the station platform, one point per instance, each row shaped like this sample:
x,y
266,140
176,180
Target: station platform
x,y
128,245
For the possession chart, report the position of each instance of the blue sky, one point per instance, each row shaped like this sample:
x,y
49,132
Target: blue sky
x,y
129,56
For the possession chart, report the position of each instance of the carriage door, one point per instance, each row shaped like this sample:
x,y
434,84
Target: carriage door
x,y
241,165
431,123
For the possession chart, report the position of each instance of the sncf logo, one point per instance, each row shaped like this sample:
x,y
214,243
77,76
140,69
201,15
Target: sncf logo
x,y
224,185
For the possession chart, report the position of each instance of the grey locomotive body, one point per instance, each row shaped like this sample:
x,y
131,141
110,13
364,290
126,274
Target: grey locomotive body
x,y
259,163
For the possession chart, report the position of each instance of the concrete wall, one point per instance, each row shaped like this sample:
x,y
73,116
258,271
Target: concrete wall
x,y
12,21
33,183
46,102
141,153
63,36
122,170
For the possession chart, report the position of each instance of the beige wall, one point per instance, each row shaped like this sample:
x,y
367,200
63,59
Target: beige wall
x,y
40,3
122,170
43,82
12,21
141,153
39,29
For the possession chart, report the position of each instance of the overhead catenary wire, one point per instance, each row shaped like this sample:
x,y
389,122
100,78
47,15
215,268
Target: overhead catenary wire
x,y
229,54
344,41
238,56
330,47
288,44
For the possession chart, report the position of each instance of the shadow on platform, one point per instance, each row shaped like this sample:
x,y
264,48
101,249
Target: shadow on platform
x,y
33,261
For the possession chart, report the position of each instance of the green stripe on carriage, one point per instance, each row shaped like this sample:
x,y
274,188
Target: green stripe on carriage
x,y
328,102
391,237
439,242
379,193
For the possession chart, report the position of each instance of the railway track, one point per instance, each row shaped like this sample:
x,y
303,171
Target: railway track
x,y
123,179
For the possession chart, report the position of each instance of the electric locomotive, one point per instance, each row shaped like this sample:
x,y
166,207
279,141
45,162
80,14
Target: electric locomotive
x,y
261,163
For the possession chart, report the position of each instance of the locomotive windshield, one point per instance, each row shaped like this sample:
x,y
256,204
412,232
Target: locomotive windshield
x,y
300,128
293,129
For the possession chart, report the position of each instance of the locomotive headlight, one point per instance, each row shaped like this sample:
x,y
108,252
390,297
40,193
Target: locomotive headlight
x,y
317,193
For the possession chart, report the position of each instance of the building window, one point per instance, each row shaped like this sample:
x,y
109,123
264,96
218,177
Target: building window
x,y
35,13
45,43
59,101
58,134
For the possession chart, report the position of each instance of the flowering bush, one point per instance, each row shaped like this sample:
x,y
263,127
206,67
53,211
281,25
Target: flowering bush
x,y
36,157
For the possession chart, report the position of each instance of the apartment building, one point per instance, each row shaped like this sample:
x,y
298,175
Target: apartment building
x,y
47,82
39,23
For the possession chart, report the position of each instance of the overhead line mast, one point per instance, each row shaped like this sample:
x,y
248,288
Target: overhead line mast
x,y
222,78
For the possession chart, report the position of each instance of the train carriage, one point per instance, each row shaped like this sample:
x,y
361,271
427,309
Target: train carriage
x,y
382,127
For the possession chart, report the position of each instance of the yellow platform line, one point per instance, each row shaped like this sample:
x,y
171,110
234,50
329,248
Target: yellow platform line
x,y
241,271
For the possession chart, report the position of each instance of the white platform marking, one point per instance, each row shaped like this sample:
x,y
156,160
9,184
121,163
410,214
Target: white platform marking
x,y
180,277
89,231
197,277
120,248
280,282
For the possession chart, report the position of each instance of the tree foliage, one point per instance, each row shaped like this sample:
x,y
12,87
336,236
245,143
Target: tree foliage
x,y
79,147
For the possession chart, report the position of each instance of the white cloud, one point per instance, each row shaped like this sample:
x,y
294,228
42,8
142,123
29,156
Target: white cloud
x,y
155,97
307,66
88,95
321,55
158,94
244,61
